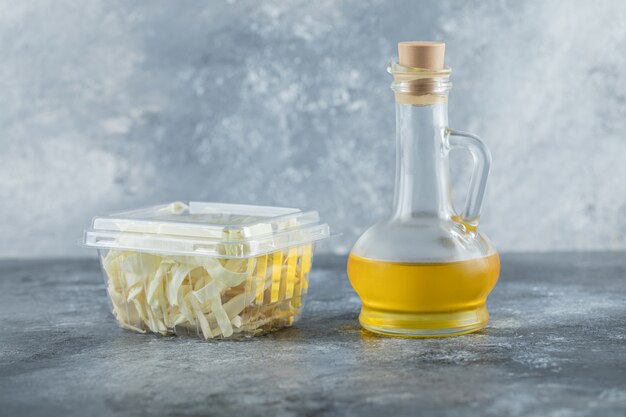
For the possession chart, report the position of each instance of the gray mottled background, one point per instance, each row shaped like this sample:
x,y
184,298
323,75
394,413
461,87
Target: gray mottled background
x,y
108,105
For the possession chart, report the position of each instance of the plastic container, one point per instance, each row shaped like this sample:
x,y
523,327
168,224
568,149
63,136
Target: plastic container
x,y
206,269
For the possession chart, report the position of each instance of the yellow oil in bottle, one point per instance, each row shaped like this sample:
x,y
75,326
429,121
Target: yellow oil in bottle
x,y
423,299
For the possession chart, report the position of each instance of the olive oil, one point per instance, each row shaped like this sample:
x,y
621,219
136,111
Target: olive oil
x,y
423,299
426,270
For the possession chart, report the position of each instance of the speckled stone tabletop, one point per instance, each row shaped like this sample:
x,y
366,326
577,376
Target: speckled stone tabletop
x,y
556,346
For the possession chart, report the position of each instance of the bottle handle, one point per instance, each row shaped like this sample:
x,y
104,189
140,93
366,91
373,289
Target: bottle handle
x,y
478,182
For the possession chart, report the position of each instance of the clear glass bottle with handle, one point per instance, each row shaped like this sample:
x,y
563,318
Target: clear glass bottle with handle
x,y
426,271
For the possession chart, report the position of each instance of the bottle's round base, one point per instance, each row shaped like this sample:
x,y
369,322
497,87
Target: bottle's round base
x,y
454,323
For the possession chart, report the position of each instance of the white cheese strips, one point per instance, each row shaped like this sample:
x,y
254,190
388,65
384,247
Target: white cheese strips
x,y
211,297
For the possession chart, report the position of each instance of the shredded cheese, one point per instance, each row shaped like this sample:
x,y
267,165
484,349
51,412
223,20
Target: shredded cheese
x,y
215,298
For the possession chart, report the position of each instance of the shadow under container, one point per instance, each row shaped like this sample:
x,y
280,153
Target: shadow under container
x,y
210,270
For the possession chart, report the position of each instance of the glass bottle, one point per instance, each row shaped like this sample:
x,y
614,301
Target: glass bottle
x,y
426,271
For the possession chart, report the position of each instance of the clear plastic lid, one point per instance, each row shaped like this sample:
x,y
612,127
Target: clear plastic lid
x,y
209,229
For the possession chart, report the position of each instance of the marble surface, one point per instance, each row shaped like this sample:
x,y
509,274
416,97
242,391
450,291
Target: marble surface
x,y
556,346
111,105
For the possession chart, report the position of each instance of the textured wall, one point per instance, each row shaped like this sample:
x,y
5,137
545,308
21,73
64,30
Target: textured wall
x,y
107,105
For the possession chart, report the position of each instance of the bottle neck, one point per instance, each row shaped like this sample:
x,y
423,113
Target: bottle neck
x,y
422,188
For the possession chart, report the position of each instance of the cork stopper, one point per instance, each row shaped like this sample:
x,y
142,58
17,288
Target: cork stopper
x,y
422,54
